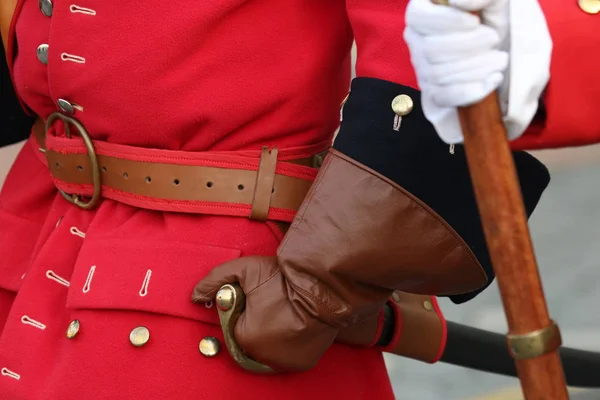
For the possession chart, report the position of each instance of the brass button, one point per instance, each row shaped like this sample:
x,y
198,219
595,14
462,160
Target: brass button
x,y
427,305
396,297
65,106
42,53
210,346
402,105
139,336
73,329
45,7
590,6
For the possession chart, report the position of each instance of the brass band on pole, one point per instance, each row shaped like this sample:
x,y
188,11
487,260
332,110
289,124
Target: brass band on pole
x,y
534,344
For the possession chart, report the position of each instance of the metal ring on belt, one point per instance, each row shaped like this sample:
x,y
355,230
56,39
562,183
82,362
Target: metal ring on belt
x,y
93,161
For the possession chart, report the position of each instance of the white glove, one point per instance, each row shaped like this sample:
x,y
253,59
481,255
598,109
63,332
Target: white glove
x,y
460,58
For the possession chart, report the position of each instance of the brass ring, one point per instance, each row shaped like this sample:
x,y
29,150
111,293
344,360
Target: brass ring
x,y
534,344
96,178
441,2
230,304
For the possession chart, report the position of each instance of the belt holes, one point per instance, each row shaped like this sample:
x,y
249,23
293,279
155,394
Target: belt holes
x,y
148,179
57,165
176,182
272,190
125,175
79,168
240,187
104,169
209,184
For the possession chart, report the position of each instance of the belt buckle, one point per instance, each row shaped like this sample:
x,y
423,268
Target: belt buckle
x,y
96,178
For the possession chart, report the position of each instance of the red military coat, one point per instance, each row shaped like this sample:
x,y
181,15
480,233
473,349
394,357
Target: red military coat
x,y
574,89
226,75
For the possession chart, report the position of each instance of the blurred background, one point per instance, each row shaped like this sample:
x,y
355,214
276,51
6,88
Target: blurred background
x,y
566,236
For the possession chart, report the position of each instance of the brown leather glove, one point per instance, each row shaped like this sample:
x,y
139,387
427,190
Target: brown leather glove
x,y
356,238
277,327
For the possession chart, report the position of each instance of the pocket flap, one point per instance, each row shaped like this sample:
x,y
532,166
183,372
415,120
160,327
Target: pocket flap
x,y
155,277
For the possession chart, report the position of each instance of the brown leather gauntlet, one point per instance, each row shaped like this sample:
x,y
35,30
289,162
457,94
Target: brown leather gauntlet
x,y
358,237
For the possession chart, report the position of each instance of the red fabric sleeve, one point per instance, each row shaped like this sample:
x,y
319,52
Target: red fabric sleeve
x,y
381,51
572,94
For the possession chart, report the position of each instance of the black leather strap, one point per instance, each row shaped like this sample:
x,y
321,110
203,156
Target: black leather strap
x,y
486,351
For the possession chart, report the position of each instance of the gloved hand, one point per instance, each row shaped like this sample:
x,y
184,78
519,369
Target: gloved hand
x,y
459,58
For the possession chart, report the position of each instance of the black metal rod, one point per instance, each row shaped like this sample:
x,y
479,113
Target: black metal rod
x,y
486,351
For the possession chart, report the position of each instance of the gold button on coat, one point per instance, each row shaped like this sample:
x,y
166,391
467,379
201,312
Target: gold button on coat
x,y
139,336
402,105
42,53
590,6
396,297
210,346
427,305
73,329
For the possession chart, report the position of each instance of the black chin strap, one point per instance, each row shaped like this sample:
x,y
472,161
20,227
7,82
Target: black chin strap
x,y
486,351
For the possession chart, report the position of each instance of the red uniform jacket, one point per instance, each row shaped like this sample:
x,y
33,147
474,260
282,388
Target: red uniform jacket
x,y
569,102
221,75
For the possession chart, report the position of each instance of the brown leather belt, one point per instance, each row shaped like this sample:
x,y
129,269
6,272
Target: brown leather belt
x,y
272,190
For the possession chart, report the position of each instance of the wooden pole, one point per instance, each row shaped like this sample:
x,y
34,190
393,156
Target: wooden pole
x,y
504,222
